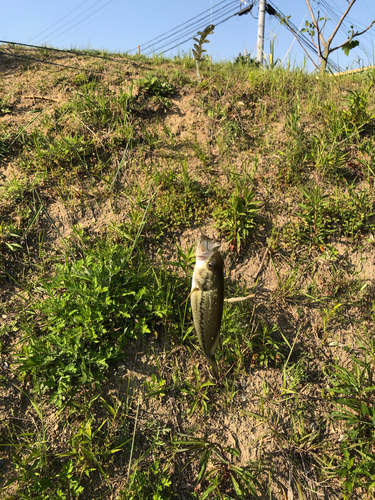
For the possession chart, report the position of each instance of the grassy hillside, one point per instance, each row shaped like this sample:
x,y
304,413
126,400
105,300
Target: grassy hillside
x,y
109,172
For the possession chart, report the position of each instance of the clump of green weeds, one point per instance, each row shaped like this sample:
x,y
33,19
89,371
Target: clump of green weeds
x,y
234,134
155,387
82,79
178,207
196,392
69,153
316,220
91,308
354,212
7,331
96,105
181,200
218,473
159,88
40,473
248,341
36,480
149,483
237,218
354,398
4,106
246,60
239,327
357,116
351,214
185,59
265,348
150,478
288,287
9,237
31,458
179,78
294,158
94,444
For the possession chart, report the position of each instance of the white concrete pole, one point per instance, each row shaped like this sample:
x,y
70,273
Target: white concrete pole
x,y
261,19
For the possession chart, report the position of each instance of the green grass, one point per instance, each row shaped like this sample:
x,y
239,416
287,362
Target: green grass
x,y
105,187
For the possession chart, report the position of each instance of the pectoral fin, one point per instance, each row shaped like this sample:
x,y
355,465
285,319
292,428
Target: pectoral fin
x,y
239,299
195,289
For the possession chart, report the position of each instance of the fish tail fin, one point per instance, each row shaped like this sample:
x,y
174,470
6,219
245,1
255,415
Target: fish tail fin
x,y
215,369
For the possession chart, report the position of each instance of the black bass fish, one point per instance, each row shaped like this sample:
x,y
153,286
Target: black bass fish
x,y
207,297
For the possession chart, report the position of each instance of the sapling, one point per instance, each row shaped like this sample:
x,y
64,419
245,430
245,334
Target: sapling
x,y
198,47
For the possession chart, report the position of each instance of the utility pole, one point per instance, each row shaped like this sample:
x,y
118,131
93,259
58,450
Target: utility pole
x,y
261,18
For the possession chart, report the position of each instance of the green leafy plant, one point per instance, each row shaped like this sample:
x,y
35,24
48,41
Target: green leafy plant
x,y
92,308
354,212
4,107
63,154
328,315
266,350
288,287
31,454
270,62
151,483
196,392
217,468
316,220
155,387
7,234
35,481
94,445
357,117
159,88
236,220
245,60
198,47
181,200
354,397
356,404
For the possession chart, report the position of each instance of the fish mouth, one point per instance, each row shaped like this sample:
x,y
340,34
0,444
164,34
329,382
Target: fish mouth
x,y
205,248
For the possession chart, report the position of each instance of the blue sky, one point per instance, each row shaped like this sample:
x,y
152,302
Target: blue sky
x,y
120,25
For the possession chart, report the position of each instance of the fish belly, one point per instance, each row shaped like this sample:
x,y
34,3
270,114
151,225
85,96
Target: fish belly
x,y
207,311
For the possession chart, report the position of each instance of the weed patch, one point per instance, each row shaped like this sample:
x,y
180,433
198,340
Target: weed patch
x,y
92,308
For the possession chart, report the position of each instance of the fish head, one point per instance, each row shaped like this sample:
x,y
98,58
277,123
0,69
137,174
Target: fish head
x,y
207,255
205,246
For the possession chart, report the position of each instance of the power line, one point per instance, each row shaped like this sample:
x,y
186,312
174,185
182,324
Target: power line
x,y
336,15
72,20
368,8
292,28
179,26
301,37
192,33
196,23
54,24
188,39
84,19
